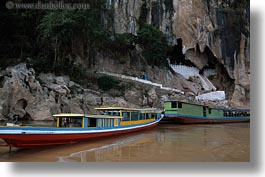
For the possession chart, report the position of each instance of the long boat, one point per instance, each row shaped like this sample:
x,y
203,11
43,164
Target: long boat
x,y
73,128
189,113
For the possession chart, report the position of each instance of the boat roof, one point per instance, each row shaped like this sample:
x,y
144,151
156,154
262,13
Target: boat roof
x,y
68,115
103,116
85,115
105,109
126,109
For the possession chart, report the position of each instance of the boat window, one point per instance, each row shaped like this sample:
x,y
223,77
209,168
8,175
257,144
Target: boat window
x,y
225,114
104,122
154,115
75,122
179,105
210,111
247,113
92,122
116,113
70,121
63,122
148,116
173,104
142,116
126,116
100,122
108,122
112,113
204,111
134,115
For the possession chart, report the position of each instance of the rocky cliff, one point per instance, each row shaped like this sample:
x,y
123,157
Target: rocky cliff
x,y
201,33
211,32
37,97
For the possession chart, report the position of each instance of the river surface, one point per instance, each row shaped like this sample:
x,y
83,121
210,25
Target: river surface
x,y
166,143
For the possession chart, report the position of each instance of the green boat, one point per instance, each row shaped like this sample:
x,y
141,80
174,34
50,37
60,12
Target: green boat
x,y
189,113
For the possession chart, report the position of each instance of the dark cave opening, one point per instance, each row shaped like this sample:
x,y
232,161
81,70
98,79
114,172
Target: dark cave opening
x,y
21,105
212,60
222,80
176,56
2,79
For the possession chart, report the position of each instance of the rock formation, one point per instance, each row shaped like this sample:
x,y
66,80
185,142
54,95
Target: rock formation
x,y
212,31
208,32
38,97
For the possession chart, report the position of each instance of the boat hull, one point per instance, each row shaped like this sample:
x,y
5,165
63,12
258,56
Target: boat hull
x,y
192,120
40,140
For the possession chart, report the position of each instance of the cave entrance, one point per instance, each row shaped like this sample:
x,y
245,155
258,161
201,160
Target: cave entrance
x,y
20,109
216,72
21,104
212,60
176,56
2,78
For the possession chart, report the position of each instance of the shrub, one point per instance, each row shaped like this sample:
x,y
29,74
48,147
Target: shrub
x,y
154,45
106,83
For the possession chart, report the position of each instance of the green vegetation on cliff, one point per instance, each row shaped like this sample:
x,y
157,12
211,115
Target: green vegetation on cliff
x,y
106,83
53,40
154,44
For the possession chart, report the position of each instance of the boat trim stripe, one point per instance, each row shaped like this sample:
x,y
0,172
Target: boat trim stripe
x,y
29,130
202,117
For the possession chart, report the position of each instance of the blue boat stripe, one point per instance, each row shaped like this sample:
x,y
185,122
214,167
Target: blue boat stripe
x,y
34,130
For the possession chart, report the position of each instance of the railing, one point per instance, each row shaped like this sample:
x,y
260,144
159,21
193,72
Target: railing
x,y
188,71
185,71
142,81
209,72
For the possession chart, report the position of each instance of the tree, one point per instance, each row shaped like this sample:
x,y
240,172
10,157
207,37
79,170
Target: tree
x,y
154,45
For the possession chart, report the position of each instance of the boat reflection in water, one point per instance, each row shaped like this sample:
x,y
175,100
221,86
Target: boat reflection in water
x,y
173,143
119,149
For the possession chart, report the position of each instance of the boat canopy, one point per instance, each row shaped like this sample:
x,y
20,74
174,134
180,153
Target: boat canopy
x,y
125,109
69,115
103,116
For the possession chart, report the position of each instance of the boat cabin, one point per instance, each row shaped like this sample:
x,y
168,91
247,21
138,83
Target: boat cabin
x,y
108,117
130,116
69,120
178,108
85,121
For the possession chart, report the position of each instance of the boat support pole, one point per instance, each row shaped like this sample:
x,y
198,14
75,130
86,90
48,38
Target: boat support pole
x,y
10,149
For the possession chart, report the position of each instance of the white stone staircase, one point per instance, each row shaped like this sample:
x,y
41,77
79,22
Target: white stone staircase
x,y
136,79
187,72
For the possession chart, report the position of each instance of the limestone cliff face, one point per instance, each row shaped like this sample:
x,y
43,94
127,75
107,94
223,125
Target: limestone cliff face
x,y
212,31
130,15
29,96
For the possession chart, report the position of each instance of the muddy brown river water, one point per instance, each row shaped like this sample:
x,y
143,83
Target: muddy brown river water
x,y
166,143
